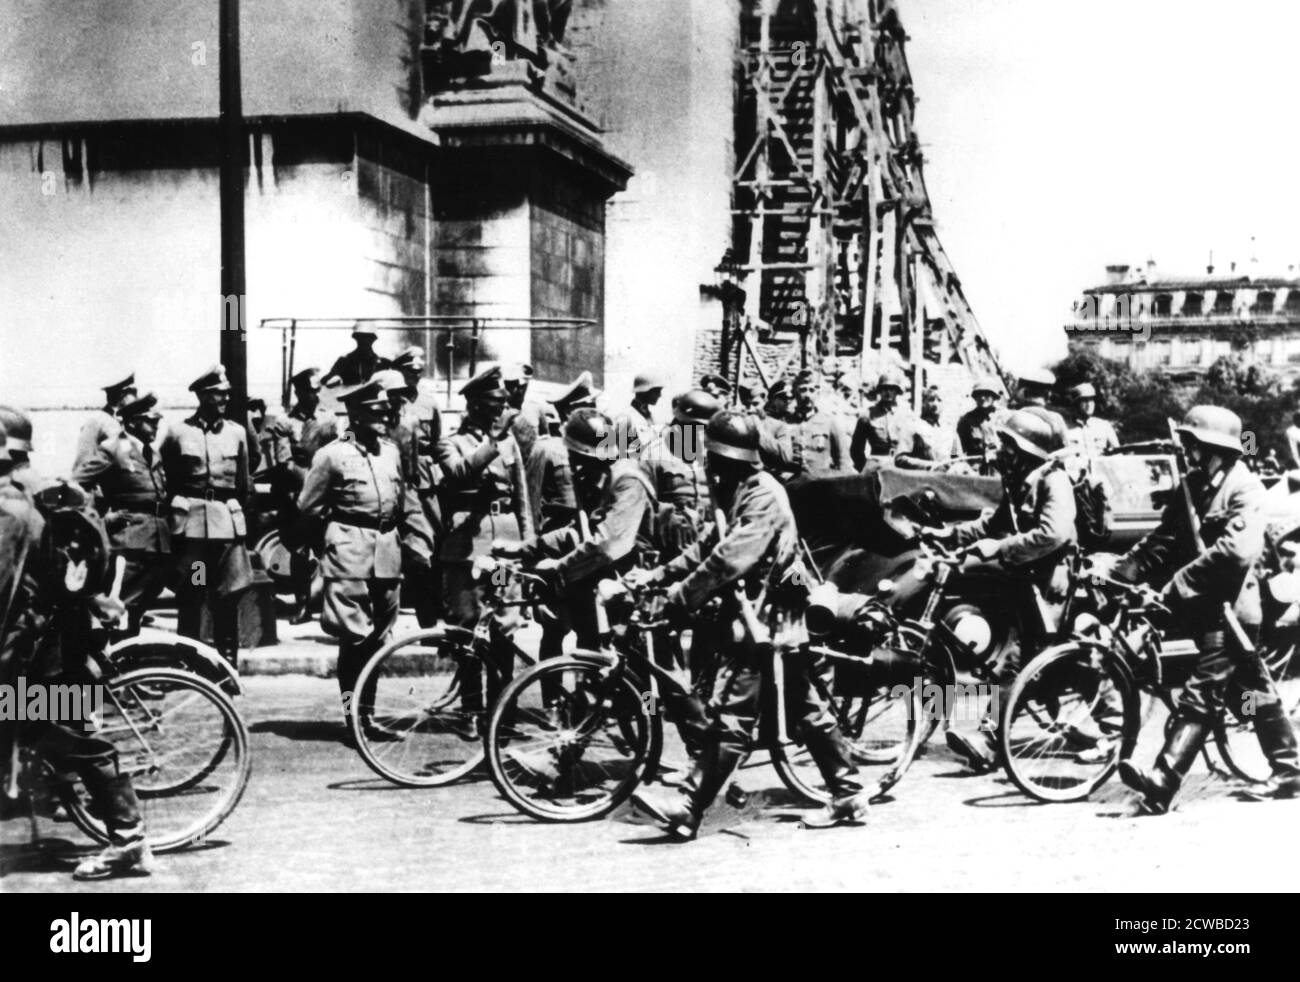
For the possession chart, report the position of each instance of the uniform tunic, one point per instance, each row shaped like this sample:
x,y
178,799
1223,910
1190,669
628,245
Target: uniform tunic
x,y
1204,575
133,484
361,497
484,497
207,467
818,443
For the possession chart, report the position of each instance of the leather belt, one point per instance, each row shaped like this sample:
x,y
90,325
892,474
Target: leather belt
x,y
365,522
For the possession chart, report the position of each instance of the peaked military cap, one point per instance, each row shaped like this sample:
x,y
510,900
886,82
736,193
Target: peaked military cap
x,y
214,379
485,384
142,406
117,388
582,392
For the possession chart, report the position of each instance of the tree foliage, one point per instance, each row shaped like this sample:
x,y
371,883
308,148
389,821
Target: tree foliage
x,y
1140,405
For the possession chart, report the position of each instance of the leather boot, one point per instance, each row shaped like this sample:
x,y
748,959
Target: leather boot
x,y
849,802
681,811
1159,785
1278,741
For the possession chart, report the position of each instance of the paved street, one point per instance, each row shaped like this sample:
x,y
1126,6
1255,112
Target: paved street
x,y
314,818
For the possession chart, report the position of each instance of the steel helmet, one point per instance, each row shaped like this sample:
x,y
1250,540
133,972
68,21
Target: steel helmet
x,y
646,382
985,383
1084,390
1213,426
892,380
1030,433
732,435
391,380
590,433
696,406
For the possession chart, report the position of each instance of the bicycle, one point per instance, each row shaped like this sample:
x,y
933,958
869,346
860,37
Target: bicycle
x,y
178,737
571,738
1075,710
412,726
933,636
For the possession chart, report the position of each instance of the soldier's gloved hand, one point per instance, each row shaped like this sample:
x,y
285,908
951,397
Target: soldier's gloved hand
x,y
507,549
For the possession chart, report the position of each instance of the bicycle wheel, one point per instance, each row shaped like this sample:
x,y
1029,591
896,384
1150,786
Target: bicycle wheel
x,y
570,739
411,722
1071,717
185,747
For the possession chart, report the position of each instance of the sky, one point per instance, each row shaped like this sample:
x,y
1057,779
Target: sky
x,y
1062,136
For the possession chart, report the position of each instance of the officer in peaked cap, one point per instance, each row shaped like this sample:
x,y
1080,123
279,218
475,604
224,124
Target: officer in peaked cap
x,y
103,423
580,395
206,459
127,472
364,519
360,363
484,498
819,443
716,386
407,431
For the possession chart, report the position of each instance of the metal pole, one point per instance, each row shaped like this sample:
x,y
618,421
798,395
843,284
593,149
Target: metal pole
x,y
234,338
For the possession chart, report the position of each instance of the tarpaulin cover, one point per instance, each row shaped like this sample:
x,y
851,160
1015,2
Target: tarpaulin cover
x,y
850,508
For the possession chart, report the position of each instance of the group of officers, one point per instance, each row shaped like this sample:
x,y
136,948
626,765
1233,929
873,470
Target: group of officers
x,y
579,495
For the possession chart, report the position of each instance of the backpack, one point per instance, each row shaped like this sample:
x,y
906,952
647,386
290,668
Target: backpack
x,y
75,532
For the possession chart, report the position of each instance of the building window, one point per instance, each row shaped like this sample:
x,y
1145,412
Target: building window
x,y
1293,302
1161,354
1194,305
1223,302
1164,305
1293,351
1264,302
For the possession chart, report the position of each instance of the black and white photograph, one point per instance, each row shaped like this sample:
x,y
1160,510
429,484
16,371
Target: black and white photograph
x,y
651,446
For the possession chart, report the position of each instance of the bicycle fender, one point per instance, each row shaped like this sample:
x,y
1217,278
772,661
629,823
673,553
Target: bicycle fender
x,y
151,648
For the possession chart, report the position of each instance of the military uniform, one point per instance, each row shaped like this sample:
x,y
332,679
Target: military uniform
x,y
103,424
891,433
45,636
416,434
130,478
757,552
208,476
1092,436
978,432
817,442
356,367
550,485
1203,580
362,498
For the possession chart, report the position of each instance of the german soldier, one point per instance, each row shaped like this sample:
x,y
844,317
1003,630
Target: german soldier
x,y
104,423
977,430
580,395
360,363
485,498
1221,513
1029,532
206,461
1089,434
819,444
887,429
408,432
355,487
127,470
756,551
